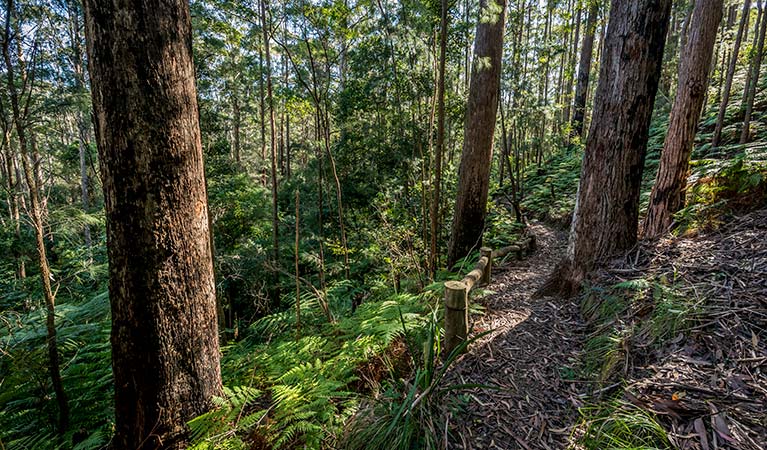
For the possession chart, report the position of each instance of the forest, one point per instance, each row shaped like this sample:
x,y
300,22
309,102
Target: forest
x,y
383,224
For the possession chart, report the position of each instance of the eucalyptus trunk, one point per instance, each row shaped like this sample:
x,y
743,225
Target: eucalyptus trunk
x,y
716,140
606,214
584,70
165,351
273,154
476,158
439,151
20,116
668,193
755,71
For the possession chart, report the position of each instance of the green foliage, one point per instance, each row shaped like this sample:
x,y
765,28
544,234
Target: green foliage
x,y
501,227
672,313
620,425
410,414
551,189
722,187
29,406
642,313
222,427
306,386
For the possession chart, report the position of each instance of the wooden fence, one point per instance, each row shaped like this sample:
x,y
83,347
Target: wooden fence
x,y
457,292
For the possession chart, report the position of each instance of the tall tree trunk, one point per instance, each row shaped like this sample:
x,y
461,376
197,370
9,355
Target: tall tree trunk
x,y
273,154
573,60
165,352
285,166
262,110
298,279
435,196
82,148
584,70
320,197
745,134
755,43
685,33
476,158
607,206
668,195
715,141
83,119
20,115
45,276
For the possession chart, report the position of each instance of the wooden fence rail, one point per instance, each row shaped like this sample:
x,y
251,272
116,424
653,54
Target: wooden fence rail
x,y
457,292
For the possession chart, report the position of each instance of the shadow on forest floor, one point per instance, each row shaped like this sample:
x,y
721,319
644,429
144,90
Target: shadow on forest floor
x,y
690,314
529,356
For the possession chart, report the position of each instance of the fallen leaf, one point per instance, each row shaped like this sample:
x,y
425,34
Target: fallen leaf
x,y
700,428
721,428
754,339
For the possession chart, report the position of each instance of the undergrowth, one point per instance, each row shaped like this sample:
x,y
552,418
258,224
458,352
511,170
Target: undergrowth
x,y
630,322
616,424
29,409
299,391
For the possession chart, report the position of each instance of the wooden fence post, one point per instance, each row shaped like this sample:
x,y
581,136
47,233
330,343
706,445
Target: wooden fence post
x,y
456,315
488,253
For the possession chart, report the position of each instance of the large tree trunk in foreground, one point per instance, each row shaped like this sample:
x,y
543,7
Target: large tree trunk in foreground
x,y
474,172
607,208
716,140
584,71
668,192
165,354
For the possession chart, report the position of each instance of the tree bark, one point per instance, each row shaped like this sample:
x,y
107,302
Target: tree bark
x,y
436,185
83,119
165,352
716,139
606,214
476,158
573,61
236,125
298,279
273,154
668,194
745,134
755,43
14,192
584,70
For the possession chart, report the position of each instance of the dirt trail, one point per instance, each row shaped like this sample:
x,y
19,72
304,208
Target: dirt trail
x,y
704,382
533,345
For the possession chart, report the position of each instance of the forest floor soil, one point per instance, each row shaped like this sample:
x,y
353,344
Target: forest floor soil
x,y
705,384
531,342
